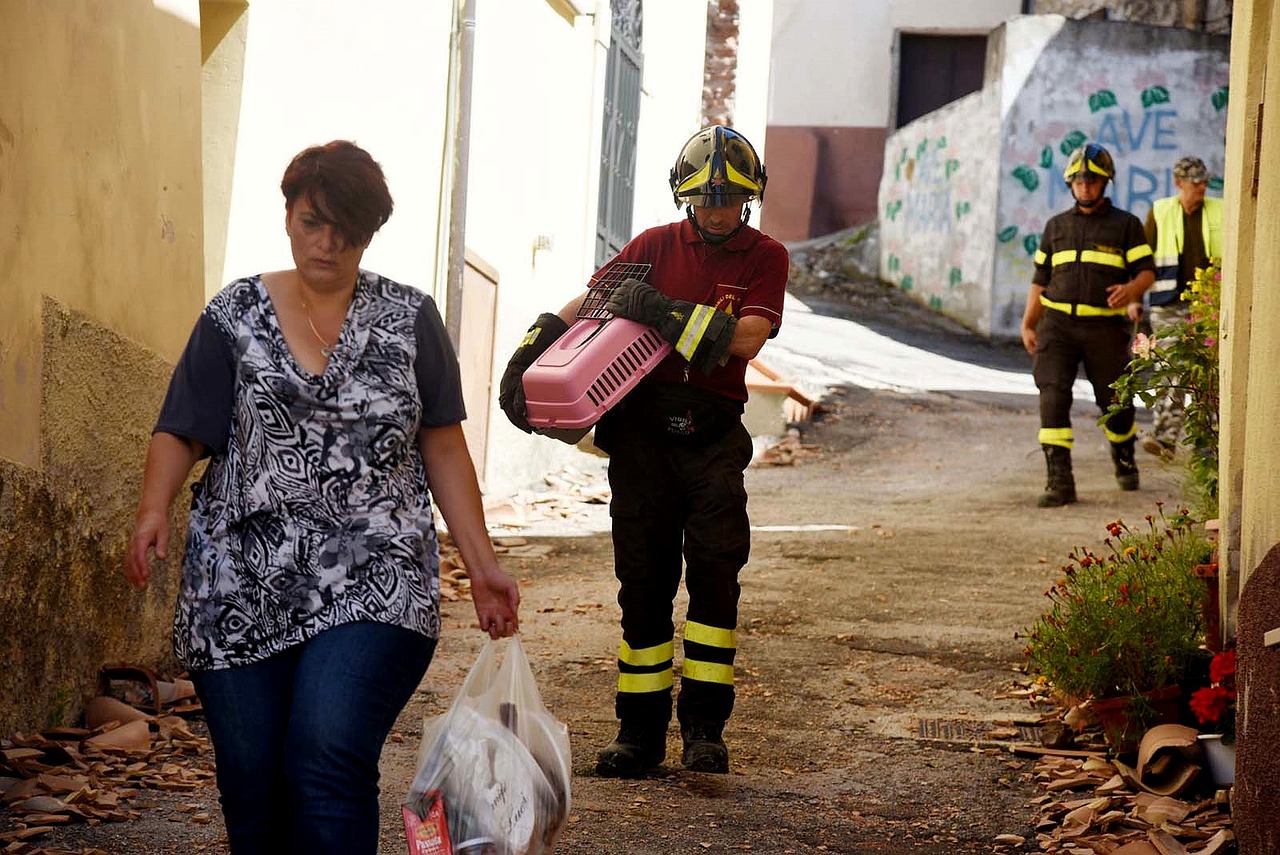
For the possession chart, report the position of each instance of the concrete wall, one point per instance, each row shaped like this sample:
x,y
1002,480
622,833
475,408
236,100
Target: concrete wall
x,y
1150,95
100,167
831,86
1212,16
100,277
1249,487
389,99
938,205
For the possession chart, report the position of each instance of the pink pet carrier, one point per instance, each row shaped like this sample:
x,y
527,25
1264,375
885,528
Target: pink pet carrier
x,y
593,365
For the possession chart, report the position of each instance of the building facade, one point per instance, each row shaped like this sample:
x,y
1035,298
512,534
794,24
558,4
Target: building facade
x,y
844,74
140,164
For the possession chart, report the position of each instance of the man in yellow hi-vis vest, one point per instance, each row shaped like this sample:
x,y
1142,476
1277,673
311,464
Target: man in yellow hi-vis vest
x,y
1186,231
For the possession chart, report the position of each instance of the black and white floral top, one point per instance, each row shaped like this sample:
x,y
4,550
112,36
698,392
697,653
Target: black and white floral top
x,y
314,510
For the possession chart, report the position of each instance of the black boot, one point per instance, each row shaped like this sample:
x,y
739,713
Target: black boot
x,y
1061,489
704,749
1126,468
635,751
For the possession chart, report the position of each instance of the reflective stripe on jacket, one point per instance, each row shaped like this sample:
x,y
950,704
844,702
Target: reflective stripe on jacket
x,y
1168,216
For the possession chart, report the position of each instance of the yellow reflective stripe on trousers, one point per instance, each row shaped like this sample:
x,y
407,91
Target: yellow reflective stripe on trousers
x,y
711,636
1056,436
639,684
707,672
1106,259
691,337
1082,310
646,656
1121,437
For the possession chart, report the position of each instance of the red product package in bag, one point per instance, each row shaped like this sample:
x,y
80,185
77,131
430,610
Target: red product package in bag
x,y
427,832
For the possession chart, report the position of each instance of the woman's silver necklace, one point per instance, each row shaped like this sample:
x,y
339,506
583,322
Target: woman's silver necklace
x,y
326,349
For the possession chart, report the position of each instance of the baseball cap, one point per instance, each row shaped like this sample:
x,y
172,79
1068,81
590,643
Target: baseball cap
x,y
1191,169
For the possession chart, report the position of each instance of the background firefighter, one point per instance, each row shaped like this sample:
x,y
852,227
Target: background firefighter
x,y
1092,263
678,449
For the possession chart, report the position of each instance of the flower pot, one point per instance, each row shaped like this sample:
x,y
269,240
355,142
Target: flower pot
x,y
1220,758
1122,728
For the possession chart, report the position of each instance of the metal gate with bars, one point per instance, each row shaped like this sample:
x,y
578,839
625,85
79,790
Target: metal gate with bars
x,y
621,118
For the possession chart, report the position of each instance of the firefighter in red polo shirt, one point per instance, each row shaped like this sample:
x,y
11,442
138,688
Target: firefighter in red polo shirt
x,y
1093,262
677,449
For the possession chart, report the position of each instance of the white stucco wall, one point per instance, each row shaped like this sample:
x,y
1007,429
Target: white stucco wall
x,y
751,103
318,70
937,207
1150,95
832,59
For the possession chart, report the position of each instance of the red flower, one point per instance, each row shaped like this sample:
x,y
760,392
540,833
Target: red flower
x,y
1222,666
1211,703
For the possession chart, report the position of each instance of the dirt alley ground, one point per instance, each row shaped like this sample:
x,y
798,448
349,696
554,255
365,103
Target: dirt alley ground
x,y
849,639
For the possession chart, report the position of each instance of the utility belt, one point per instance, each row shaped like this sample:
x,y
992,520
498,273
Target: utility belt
x,y
1083,310
679,412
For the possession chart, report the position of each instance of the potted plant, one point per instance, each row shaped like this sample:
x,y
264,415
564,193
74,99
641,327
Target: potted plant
x,y
1123,625
1215,708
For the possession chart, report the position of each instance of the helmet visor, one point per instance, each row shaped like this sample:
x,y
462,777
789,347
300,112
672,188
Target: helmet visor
x,y
716,200
718,179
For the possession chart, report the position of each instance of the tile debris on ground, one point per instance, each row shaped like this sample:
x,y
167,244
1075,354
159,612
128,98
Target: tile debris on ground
x,y
569,501
108,773
1094,803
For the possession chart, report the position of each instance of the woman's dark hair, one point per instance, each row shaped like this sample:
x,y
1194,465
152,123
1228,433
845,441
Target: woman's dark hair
x,y
344,185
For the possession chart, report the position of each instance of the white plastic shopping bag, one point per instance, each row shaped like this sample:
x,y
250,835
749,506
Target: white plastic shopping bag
x,y
493,771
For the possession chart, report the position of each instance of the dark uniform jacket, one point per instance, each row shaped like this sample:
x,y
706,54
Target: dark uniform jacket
x,y
1081,255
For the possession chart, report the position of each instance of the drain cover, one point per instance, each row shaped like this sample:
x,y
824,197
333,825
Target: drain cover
x,y
962,730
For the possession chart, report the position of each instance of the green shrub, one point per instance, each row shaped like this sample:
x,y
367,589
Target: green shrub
x,y
1129,620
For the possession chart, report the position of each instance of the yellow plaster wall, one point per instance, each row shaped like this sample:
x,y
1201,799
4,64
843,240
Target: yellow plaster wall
x,y
1250,409
1250,36
224,32
99,183
64,608
100,282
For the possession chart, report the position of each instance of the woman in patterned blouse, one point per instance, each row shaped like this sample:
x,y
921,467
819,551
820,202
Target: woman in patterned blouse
x,y
327,399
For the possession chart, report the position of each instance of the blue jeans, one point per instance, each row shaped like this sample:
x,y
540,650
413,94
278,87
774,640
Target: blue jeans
x,y
297,738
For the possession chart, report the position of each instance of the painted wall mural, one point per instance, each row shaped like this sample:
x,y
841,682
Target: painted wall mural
x,y
937,201
1149,95
966,193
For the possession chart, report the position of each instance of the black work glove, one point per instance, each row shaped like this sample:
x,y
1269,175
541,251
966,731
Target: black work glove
x,y
701,334
545,330
639,301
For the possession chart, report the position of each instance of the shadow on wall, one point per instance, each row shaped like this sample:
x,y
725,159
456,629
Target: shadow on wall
x,y
65,609
105,182
821,179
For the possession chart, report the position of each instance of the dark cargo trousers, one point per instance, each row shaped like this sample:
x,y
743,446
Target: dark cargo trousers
x,y
1064,342
677,503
